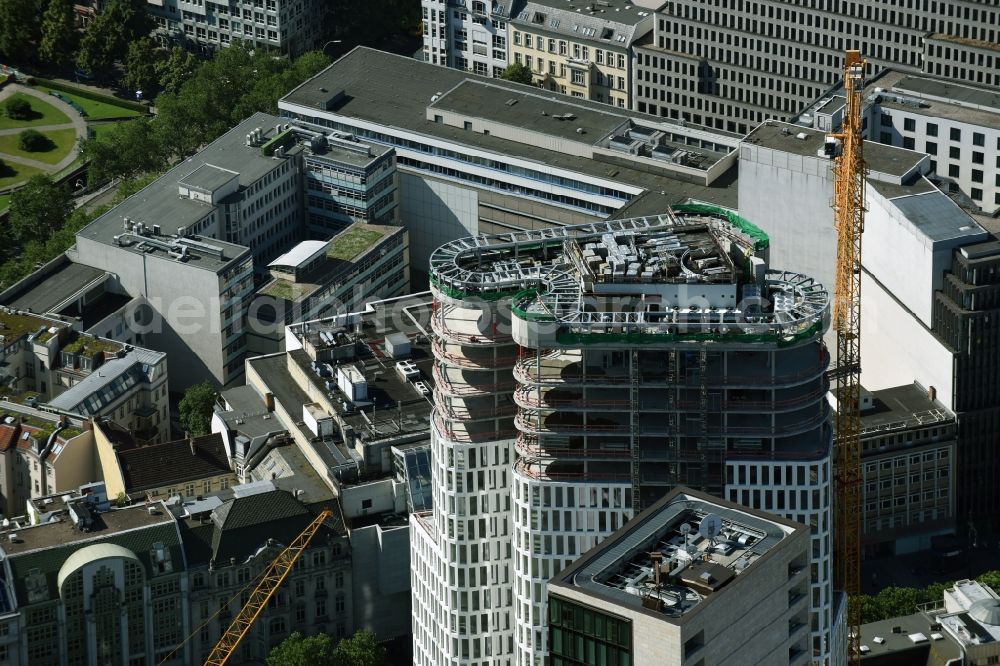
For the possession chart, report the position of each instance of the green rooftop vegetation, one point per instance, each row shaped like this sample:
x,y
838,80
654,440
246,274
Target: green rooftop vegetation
x,y
88,346
70,432
15,326
286,289
353,242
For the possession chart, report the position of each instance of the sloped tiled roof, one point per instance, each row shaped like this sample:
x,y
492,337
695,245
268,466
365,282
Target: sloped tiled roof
x,y
242,525
160,465
8,436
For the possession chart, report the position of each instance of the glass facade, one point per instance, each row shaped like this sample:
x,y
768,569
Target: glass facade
x,y
582,636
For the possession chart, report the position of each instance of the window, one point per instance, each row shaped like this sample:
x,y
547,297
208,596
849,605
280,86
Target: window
x,y
908,142
977,157
953,171
977,194
338,579
930,148
978,139
910,124
956,134
577,77
955,153
977,177
932,129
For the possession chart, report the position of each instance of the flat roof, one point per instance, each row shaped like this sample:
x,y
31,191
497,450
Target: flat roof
x,y
275,372
159,202
964,41
63,283
342,252
895,648
395,91
618,571
575,19
63,532
208,178
880,158
937,216
394,406
903,404
940,98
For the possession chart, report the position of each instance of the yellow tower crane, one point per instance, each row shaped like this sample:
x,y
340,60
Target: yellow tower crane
x,y
269,583
850,174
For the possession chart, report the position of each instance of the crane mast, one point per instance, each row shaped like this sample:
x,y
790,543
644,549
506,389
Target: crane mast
x,y
270,580
850,174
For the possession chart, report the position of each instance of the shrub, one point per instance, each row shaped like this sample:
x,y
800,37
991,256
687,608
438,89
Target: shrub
x,y
33,141
18,108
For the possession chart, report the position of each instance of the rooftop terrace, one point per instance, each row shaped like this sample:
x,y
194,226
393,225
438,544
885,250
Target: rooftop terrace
x,y
700,545
688,271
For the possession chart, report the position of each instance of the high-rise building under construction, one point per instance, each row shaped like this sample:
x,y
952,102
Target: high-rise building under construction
x,y
581,373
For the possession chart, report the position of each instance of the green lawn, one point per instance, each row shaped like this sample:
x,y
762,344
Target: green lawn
x,y
12,174
4,201
45,114
103,128
95,110
63,141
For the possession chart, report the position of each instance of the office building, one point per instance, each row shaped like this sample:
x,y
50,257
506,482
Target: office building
x,y
467,35
966,318
733,65
290,27
909,471
957,125
95,586
693,579
582,54
228,543
480,155
173,266
631,372
928,270
317,279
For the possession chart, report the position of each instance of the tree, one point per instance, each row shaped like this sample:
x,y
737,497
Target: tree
x,y
518,73
125,151
196,409
18,108
58,33
108,36
19,27
175,69
299,650
361,649
141,66
33,141
38,209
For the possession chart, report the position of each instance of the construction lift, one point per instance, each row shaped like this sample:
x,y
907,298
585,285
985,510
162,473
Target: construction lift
x,y
270,581
850,173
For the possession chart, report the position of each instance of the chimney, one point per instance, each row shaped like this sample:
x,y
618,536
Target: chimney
x,y
655,558
932,394
269,401
191,444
